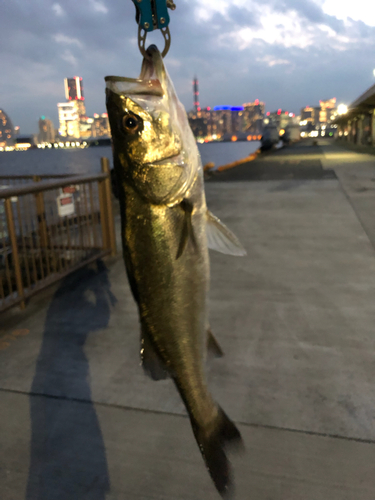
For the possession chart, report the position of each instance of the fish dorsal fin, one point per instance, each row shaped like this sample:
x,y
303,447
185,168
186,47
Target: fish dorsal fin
x,y
187,228
220,238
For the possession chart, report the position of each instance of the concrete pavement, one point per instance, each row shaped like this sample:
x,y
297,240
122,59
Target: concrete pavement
x,y
79,419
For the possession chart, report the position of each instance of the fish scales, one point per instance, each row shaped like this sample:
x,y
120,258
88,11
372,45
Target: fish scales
x,y
165,245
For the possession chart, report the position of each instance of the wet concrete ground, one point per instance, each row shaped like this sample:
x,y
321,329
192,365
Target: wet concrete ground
x,y
80,420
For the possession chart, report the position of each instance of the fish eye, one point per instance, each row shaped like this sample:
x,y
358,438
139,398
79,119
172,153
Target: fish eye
x,y
131,123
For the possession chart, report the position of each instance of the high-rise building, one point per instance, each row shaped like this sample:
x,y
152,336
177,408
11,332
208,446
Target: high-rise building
x,y
74,92
46,131
196,94
327,109
253,116
69,119
6,130
309,115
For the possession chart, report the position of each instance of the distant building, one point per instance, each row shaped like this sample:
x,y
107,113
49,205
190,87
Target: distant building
x,y
309,116
69,119
253,116
100,126
6,130
322,114
46,131
222,122
327,109
196,94
280,118
85,127
74,92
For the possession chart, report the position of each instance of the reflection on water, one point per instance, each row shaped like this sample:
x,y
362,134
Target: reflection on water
x,y
83,161
68,459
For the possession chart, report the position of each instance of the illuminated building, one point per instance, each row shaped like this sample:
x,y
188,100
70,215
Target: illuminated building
x,y
196,94
74,92
280,118
309,115
253,116
69,119
198,123
326,110
6,130
100,126
46,130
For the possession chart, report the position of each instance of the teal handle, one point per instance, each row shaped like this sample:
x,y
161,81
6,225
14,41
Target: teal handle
x,y
151,11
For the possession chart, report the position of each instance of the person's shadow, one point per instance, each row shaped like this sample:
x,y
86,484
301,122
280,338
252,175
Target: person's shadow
x,y
67,457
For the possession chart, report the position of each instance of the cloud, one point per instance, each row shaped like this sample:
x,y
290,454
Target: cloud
x,y
272,61
98,6
288,53
66,40
58,10
69,58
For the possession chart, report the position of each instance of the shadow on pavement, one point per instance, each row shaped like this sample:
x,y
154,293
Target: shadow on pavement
x,y
68,459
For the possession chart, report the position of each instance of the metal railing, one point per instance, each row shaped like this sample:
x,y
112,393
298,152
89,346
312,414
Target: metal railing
x,y
50,228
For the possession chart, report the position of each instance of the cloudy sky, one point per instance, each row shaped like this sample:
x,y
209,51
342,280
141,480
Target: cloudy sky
x,y
287,53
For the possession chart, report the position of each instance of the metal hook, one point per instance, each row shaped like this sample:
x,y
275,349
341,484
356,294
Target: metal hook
x,y
142,35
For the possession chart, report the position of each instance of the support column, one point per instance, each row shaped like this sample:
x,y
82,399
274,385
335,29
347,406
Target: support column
x,y
373,127
359,129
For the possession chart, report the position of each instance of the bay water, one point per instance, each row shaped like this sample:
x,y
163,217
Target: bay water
x,y
87,161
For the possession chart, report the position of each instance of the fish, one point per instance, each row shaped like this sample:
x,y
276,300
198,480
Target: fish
x,y
166,231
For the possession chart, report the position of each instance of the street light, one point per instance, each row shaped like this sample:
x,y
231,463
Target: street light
x,y
342,109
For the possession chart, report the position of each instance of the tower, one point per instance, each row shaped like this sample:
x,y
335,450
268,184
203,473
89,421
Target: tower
x,y
196,94
74,92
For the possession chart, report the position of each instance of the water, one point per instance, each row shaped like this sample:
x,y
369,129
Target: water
x,y
85,161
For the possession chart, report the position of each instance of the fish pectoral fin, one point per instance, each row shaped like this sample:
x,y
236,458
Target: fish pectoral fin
x,y
213,346
187,232
220,238
150,360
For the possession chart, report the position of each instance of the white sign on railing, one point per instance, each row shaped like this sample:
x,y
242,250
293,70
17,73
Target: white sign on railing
x,y
65,204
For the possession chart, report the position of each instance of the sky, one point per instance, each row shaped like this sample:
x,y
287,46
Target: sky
x,y
287,53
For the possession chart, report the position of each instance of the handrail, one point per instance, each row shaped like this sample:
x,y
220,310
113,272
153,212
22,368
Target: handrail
x,y
45,235
37,187
31,177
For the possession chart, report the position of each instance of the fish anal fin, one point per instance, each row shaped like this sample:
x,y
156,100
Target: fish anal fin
x,y
220,238
187,232
213,346
150,360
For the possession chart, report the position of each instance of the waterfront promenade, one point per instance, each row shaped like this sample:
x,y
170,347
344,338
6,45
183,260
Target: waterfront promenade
x,y
80,420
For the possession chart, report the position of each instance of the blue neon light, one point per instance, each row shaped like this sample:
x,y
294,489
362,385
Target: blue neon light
x,y
229,108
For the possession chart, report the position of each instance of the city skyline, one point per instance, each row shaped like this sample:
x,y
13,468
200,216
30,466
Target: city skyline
x,y
288,54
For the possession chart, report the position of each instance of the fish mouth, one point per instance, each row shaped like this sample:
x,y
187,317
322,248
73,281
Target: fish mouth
x,y
150,81
178,158
153,65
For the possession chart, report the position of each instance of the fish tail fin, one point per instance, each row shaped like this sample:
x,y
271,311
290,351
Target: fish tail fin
x,y
212,446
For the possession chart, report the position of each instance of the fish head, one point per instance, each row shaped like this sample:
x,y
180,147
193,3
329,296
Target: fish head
x,y
153,144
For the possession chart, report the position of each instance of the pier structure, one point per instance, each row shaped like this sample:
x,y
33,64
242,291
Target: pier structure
x,y
357,125
295,319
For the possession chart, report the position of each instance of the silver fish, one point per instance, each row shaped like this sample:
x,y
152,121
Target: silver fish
x,y
166,232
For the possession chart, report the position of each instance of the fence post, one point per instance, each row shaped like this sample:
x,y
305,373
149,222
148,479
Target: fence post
x,y
109,209
15,256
